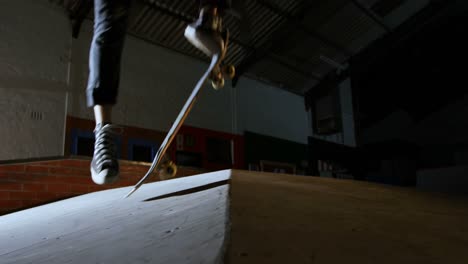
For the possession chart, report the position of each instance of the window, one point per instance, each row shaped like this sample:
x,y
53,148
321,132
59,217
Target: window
x,y
141,150
82,142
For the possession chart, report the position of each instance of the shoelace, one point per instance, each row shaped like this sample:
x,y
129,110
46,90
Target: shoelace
x,y
105,149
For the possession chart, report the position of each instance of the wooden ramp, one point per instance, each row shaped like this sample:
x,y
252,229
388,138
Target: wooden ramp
x,y
242,217
188,226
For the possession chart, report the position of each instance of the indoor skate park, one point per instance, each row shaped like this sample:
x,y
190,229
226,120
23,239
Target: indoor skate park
x,y
340,137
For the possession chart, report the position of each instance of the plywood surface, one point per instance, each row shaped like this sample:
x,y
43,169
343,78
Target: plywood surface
x,y
183,221
292,219
257,217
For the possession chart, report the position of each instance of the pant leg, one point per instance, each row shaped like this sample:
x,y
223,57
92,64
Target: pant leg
x,y
110,24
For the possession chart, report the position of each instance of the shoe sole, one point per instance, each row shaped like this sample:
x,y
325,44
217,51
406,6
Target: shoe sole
x,y
106,176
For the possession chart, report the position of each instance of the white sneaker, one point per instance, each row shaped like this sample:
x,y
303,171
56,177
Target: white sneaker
x,y
105,166
205,33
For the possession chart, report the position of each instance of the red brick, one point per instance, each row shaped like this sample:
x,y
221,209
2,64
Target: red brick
x,y
79,164
10,204
37,187
83,174
52,163
4,212
58,187
123,183
37,169
12,168
79,188
6,180
134,168
30,203
68,171
6,175
70,163
46,196
66,195
22,195
35,178
131,175
11,186
78,180
4,195
52,179
96,188
61,171
25,178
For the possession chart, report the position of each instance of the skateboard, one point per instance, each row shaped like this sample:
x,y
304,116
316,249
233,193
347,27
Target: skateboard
x,y
216,72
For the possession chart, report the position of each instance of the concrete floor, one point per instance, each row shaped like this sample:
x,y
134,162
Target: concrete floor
x,y
243,217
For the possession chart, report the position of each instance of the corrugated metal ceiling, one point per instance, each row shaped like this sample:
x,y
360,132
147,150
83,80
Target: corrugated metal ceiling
x,y
292,44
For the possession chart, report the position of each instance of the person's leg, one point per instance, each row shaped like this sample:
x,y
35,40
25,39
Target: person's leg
x,y
102,114
110,23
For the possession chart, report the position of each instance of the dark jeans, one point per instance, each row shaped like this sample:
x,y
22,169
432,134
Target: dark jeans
x,y
110,24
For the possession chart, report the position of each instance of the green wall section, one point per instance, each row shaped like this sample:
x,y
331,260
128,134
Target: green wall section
x,y
260,147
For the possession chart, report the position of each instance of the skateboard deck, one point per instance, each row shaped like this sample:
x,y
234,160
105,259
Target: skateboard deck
x,y
215,60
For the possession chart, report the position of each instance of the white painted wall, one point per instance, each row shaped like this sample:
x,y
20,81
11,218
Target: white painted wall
x,y
271,111
156,83
32,79
27,135
40,66
25,24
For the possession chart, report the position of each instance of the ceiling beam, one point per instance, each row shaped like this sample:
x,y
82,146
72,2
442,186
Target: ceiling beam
x,y
297,21
189,19
184,17
376,18
280,37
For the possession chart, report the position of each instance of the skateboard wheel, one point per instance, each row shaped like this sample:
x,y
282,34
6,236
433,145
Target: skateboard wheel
x,y
168,170
217,84
229,71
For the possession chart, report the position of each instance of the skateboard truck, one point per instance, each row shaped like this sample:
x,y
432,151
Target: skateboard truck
x,y
167,169
221,70
209,37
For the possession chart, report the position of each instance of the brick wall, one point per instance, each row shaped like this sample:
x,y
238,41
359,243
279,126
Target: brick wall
x,y
199,138
28,184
